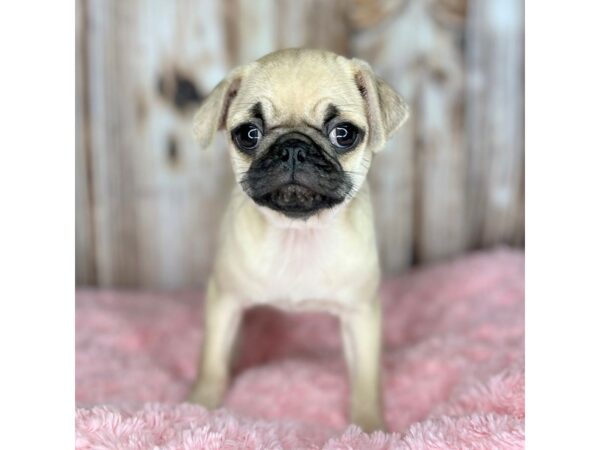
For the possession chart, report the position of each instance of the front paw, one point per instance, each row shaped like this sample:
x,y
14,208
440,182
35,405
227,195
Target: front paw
x,y
369,422
207,395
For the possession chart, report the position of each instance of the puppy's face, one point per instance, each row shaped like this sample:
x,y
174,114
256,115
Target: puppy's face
x,y
303,126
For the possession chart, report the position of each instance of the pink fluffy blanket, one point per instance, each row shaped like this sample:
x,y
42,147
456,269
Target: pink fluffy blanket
x,y
453,368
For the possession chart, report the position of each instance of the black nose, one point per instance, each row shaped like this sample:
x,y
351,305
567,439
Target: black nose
x,y
292,153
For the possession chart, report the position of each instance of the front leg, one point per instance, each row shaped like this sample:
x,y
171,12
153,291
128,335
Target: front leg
x,y
361,334
222,314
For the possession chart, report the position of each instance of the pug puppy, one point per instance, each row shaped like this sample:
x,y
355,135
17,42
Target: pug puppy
x,y
298,233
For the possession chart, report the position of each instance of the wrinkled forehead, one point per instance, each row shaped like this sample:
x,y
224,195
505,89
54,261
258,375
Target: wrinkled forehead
x,y
290,94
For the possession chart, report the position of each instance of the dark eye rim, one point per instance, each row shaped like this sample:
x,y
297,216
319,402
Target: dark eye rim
x,y
235,136
357,139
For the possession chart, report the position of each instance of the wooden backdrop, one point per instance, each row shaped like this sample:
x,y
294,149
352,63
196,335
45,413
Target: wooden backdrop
x,y
148,200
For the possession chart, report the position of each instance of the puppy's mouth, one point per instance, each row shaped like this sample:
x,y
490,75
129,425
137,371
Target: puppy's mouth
x,y
296,201
296,177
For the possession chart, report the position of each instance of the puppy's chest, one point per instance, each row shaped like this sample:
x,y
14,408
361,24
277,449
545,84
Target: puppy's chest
x,y
300,269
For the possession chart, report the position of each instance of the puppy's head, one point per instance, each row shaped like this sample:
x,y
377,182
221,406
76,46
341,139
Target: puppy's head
x,y
303,127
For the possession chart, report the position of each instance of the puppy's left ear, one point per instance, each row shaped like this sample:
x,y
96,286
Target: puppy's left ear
x,y
386,110
212,115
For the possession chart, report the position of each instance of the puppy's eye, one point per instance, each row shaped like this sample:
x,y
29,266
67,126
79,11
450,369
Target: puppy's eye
x,y
344,136
247,136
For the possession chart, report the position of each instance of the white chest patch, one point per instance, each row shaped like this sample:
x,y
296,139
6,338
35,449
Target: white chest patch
x,y
303,269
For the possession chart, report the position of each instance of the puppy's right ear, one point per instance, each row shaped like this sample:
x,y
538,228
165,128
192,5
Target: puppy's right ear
x,y
386,110
212,115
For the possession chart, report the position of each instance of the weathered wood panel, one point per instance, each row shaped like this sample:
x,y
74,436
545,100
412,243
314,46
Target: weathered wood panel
x,y
157,197
440,150
85,270
149,201
286,23
418,183
112,168
379,31
495,122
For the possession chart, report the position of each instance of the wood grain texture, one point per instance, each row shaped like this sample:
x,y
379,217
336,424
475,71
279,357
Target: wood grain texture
x,y
85,257
440,149
111,135
149,201
378,34
264,26
419,181
156,193
495,120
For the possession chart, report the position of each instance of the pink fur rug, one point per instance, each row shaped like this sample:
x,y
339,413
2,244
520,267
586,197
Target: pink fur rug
x,y
453,368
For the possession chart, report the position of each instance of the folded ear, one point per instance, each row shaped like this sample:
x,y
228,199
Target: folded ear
x,y
386,110
212,114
